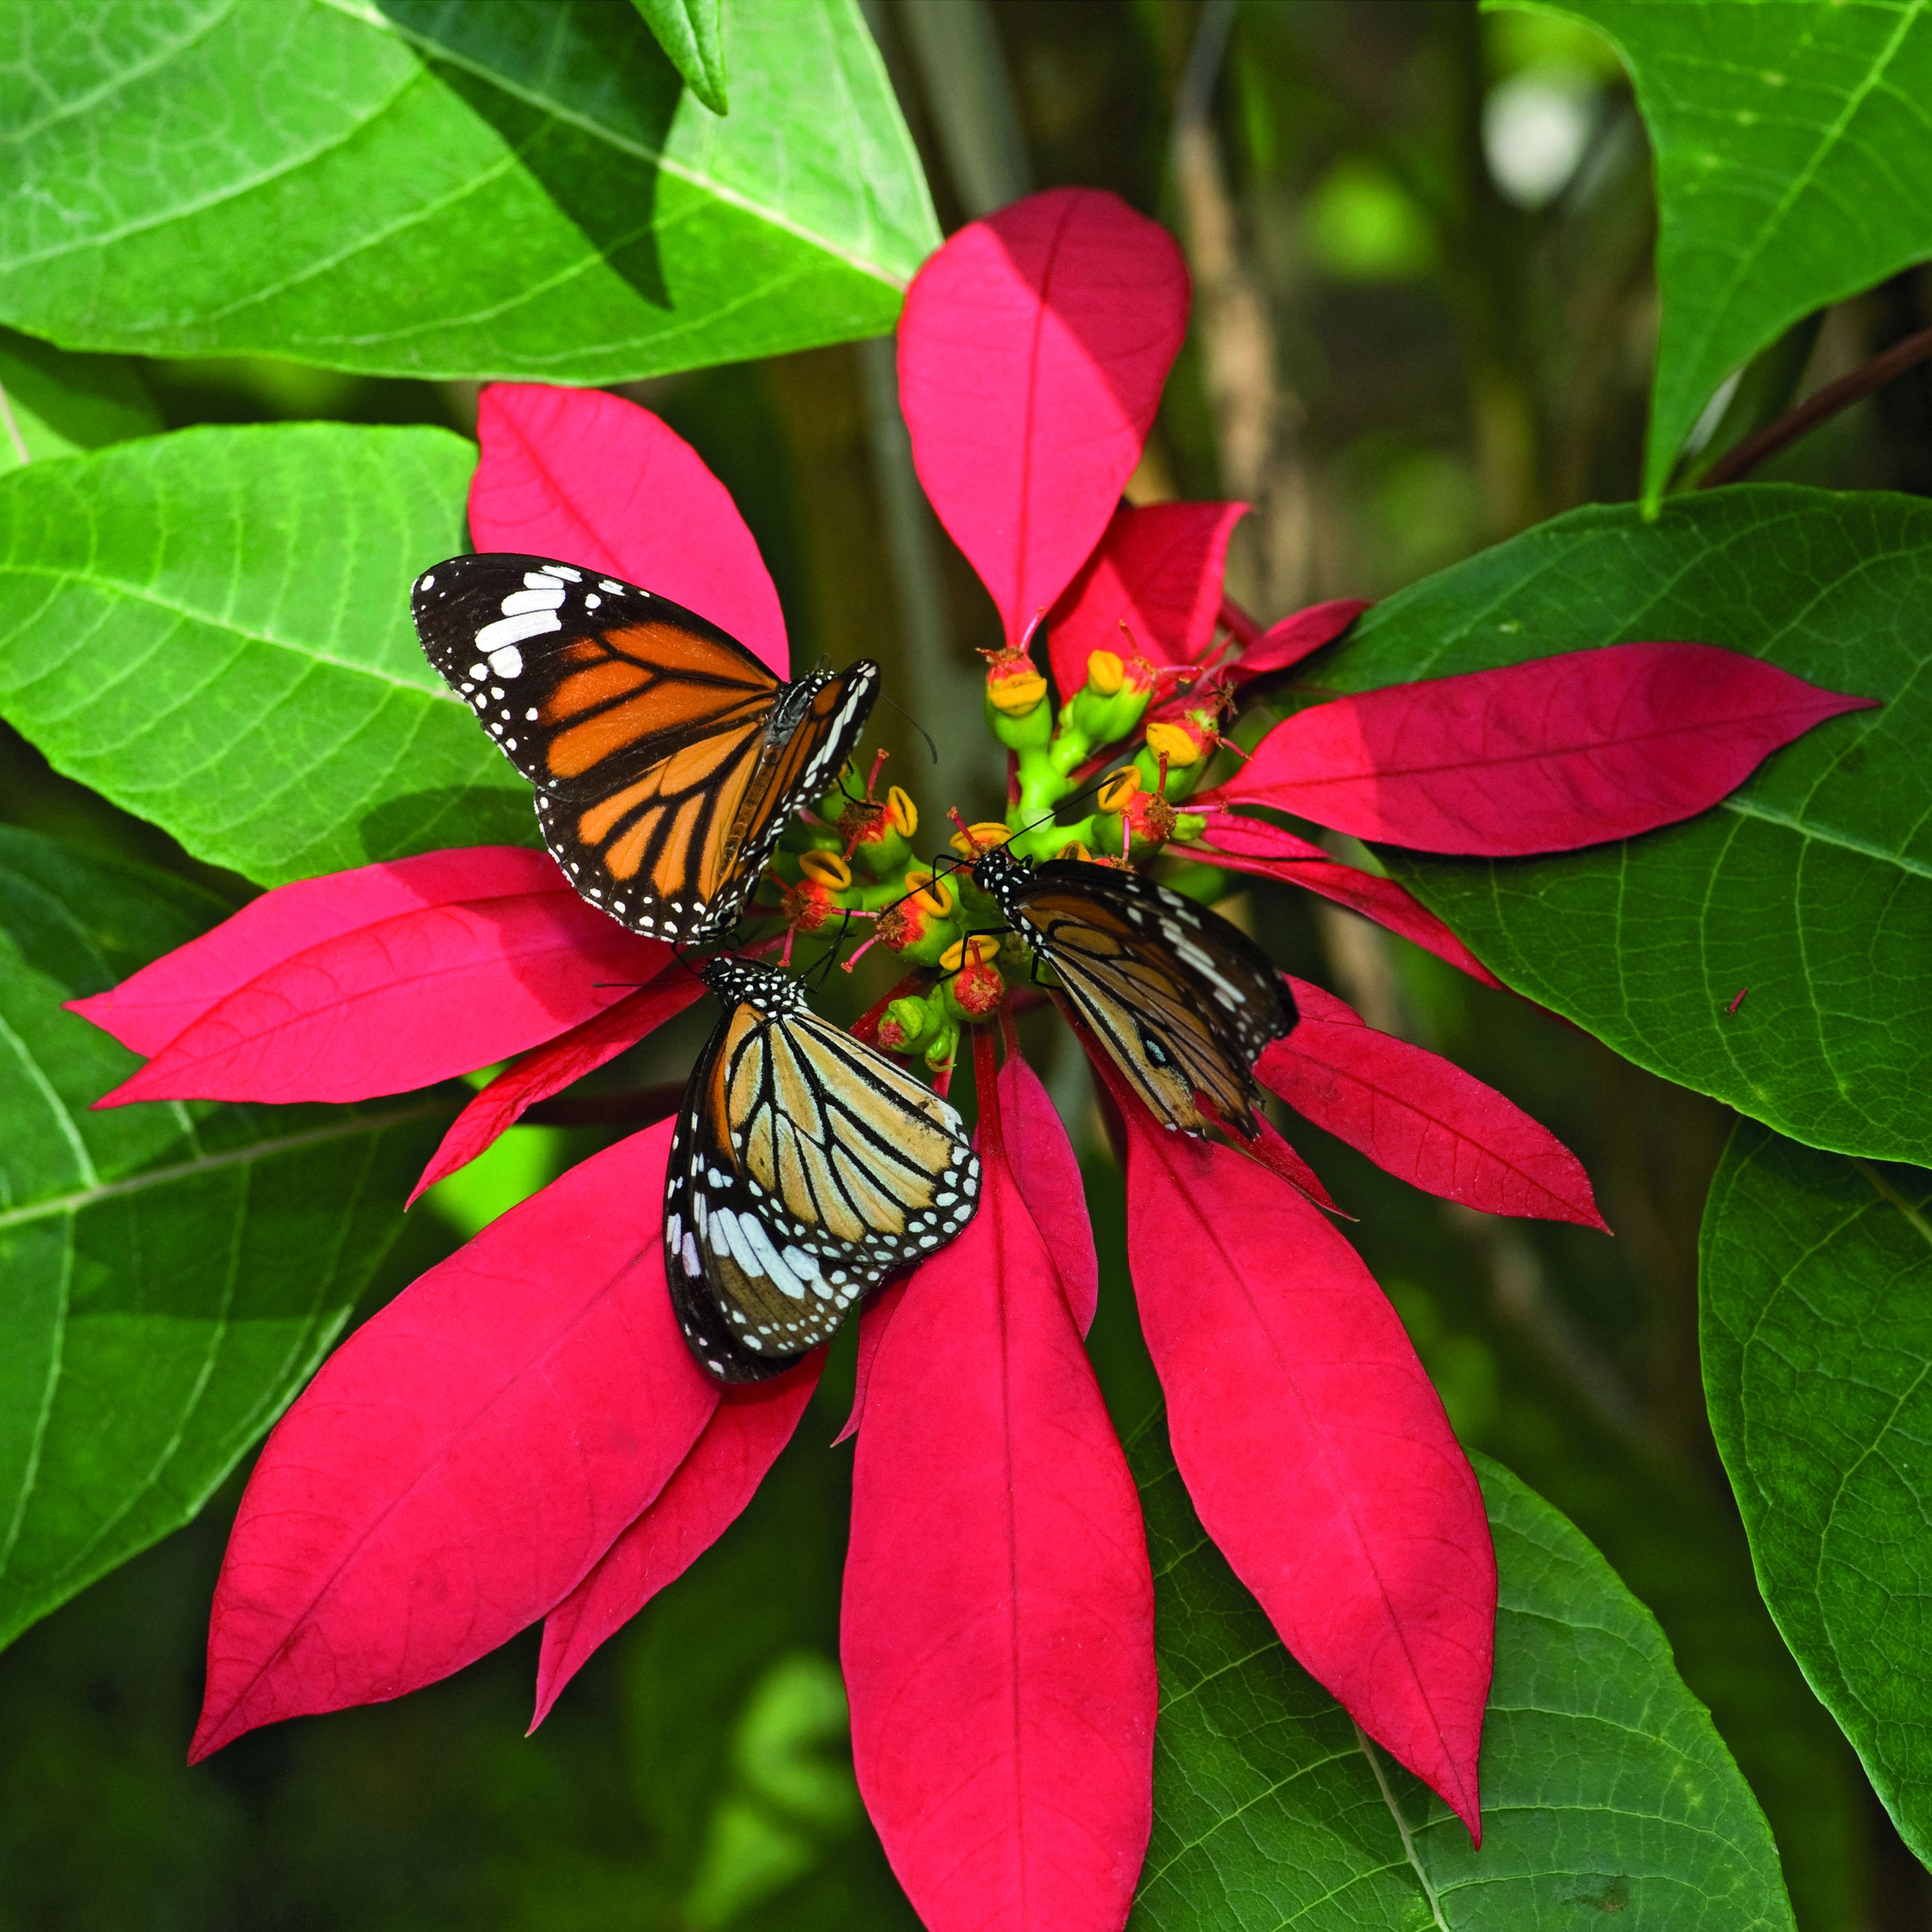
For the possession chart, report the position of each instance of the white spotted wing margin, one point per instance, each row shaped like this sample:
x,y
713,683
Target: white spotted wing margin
x,y
804,1169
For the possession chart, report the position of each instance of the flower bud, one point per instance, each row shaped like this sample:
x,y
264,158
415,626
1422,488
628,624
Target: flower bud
x,y
1014,685
807,906
904,1025
923,924
1111,703
976,990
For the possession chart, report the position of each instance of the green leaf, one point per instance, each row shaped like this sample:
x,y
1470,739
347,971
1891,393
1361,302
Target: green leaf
x,y
169,1275
1816,1293
1604,1786
53,402
414,188
691,32
1812,885
212,629
1794,168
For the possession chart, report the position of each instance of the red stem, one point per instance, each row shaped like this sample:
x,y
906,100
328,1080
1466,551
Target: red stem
x,y
1816,408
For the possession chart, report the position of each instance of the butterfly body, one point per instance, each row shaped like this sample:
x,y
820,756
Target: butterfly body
x,y
666,758
1183,1002
804,1168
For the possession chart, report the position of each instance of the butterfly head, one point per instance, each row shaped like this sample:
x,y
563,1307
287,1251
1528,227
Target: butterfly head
x,y
737,981
999,875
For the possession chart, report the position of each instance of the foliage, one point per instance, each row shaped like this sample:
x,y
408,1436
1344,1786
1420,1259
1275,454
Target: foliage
x,y
1815,1348
1647,943
520,189
1792,170
1610,1787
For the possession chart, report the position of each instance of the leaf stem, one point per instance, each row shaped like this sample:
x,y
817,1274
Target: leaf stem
x,y
1820,406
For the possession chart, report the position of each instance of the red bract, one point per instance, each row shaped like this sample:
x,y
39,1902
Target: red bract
x,y
997,1635
1296,637
373,982
1542,756
1315,1448
712,1484
1421,1116
462,1460
591,480
1157,572
1032,353
550,1068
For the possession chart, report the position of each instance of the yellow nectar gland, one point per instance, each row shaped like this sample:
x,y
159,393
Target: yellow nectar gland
x,y
1173,742
1016,695
1115,794
981,949
1106,672
826,869
1075,849
980,838
932,896
901,811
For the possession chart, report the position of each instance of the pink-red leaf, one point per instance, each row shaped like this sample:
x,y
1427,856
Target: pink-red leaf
x,y
997,1626
1032,350
1275,1154
1047,1172
747,1430
1543,757
373,982
588,478
1315,1448
549,1069
874,1321
1158,571
1298,635
1238,835
461,1462
1368,893
1421,1117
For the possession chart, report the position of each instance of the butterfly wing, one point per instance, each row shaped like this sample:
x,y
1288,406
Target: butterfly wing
x,y
1184,1002
804,1168
667,758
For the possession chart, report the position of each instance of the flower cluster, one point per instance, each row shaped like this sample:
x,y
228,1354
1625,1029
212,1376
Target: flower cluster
x,y
521,1434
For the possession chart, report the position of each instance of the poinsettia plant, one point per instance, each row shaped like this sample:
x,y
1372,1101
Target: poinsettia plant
x,y
521,1434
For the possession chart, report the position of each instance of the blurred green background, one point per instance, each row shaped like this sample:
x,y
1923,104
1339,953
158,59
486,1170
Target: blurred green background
x,y
1424,315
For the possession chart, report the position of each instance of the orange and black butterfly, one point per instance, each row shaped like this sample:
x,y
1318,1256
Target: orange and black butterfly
x,y
667,759
804,1168
1184,1002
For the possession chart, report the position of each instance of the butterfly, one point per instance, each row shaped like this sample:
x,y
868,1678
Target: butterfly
x,y
667,759
804,1167
1183,1002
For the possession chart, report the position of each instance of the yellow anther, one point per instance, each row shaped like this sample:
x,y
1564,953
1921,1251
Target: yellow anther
x,y
1174,742
930,895
1120,788
1016,695
900,810
976,839
826,869
1106,672
981,948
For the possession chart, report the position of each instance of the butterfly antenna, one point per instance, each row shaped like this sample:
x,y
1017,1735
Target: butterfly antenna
x,y
932,749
